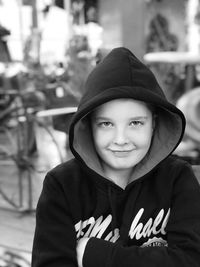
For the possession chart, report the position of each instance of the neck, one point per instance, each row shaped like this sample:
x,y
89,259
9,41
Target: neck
x,y
119,177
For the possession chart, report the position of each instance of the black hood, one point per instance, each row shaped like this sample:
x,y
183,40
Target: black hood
x,y
122,75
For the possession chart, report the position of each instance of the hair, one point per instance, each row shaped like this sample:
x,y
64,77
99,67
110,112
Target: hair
x,y
150,106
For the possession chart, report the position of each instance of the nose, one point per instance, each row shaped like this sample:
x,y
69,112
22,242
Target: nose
x,y
120,137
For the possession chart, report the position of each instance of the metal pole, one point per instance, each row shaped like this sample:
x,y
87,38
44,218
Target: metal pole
x,y
20,4
67,5
34,14
35,31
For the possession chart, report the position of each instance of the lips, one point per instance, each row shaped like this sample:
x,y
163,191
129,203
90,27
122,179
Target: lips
x,y
121,153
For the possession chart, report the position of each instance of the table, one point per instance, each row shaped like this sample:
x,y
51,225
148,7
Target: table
x,y
188,59
56,111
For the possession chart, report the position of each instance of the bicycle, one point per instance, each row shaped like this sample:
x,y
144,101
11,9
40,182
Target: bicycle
x,y
17,123
14,258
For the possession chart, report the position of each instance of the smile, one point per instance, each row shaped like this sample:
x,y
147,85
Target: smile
x,y
121,153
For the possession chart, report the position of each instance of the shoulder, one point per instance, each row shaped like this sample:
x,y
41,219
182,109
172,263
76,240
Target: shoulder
x,y
70,167
178,171
69,172
175,164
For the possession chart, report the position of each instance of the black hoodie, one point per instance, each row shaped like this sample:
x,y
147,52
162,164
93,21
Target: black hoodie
x,y
154,221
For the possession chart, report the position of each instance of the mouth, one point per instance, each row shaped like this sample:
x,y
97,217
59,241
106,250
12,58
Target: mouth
x,y
121,153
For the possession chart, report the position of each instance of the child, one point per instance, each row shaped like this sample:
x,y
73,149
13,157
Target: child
x,y
124,200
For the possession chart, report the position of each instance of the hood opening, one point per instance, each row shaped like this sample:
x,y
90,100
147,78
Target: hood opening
x,y
167,134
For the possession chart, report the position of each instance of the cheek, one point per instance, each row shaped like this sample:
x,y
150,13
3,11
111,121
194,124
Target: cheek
x,y
101,138
143,138
148,138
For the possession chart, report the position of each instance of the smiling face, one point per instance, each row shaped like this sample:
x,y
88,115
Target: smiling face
x,y
122,132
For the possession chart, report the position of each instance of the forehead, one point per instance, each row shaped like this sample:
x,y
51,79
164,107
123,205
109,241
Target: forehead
x,y
127,107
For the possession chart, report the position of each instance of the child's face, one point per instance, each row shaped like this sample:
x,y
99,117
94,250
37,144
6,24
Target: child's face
x,y
122,131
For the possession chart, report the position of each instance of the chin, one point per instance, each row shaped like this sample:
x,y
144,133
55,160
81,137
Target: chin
x,y
123,166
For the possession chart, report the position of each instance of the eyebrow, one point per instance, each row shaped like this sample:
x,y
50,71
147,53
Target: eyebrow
x,y
131,118
139,118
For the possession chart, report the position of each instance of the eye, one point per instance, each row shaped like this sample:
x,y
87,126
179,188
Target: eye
x,y
136,123
105,124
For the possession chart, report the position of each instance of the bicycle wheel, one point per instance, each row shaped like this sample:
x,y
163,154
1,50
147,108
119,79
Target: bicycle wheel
x,y
10,178
15,140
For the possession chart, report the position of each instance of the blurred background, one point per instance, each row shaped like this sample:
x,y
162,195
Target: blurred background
x,y
47,49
